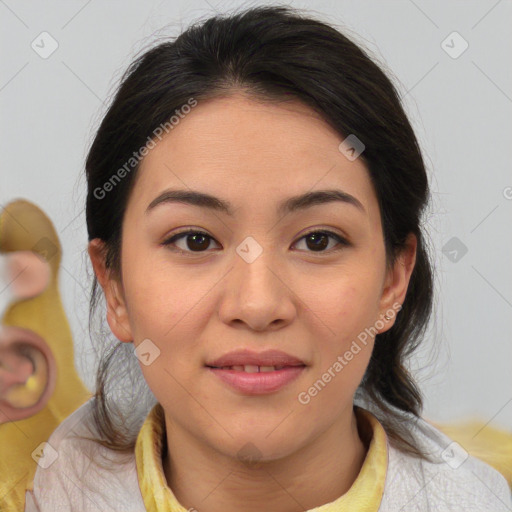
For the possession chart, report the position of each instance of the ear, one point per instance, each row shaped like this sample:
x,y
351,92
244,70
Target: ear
x,y
117,313
26,273
397,282
28,373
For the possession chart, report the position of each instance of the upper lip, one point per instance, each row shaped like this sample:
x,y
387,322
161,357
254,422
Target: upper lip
x,y
248,357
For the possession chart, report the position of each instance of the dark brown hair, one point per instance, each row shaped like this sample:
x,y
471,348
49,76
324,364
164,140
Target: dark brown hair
x,y
271,54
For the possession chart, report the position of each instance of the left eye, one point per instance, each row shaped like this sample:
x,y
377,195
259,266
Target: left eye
x,y
320,240
197,241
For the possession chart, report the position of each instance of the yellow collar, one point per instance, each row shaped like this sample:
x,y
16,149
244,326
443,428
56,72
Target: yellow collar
x,y
364,496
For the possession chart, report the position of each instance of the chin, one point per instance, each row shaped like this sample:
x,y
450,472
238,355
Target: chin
x,y
257,447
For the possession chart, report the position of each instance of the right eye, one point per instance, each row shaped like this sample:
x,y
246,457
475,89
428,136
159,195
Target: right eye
x,y
195,241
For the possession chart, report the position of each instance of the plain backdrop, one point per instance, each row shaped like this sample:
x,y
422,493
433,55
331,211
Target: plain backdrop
x,y
451,63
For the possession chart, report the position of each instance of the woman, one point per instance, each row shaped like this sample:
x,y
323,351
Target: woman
x,y
254,209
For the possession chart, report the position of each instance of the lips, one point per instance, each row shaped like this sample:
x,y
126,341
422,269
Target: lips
x,y
250,368
258,383
253,362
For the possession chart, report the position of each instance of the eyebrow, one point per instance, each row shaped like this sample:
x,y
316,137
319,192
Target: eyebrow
x,y
290,205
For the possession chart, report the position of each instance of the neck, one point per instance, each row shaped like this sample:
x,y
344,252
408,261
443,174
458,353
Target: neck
x,y
318,473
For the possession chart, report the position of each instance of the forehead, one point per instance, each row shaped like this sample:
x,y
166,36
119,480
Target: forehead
x,y
253,154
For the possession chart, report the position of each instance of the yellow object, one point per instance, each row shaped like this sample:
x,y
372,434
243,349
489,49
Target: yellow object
x,y
486,442
30,392
23,226
365,495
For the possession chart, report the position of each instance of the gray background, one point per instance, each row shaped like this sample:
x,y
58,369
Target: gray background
x,y
460,108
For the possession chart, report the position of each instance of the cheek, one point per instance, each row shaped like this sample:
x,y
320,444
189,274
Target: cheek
x,y
335,379
345,311
330,391
343,306
161,299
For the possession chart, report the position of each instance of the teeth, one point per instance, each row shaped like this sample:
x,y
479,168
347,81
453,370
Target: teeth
x,y
253,368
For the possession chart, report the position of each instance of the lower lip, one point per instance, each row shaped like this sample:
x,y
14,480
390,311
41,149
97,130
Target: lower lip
x,y
258,383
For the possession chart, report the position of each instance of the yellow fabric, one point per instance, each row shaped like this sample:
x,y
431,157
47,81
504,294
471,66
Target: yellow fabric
x,y
486,442
23,226
365,495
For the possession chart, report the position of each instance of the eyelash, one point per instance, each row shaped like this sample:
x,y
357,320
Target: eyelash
x,y
342,242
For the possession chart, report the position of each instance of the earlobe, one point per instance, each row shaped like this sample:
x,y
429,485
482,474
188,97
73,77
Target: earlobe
x,y
117,315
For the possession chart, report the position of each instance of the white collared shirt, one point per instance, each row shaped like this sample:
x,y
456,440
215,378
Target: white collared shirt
x,y
456,481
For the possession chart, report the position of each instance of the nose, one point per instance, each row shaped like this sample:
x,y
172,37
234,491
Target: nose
x,y
257,294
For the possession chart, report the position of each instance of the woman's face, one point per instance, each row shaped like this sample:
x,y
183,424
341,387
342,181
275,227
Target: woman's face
x,y
310,297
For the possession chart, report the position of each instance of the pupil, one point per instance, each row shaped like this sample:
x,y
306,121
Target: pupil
x,y
323,243
195,237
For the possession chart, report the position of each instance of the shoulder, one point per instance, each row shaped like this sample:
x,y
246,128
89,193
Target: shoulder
x,y
76,474
452,480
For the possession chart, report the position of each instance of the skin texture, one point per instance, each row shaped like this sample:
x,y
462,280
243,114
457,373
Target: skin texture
x,y
309,303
